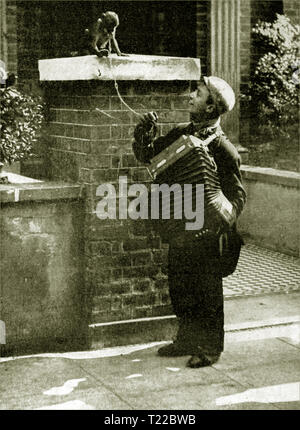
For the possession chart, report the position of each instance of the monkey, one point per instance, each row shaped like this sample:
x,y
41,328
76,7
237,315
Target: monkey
x,y
101,34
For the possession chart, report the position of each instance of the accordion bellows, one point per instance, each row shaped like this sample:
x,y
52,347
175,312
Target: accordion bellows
x,y
188,161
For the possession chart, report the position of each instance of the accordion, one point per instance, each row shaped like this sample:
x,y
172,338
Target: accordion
x,y
186,185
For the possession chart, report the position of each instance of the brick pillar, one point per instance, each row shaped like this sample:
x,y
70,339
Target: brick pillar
x,y
29,34
202,35
3,32
12,57
8,35
125,265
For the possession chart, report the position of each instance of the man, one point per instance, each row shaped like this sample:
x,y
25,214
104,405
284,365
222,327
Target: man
x,y
195,266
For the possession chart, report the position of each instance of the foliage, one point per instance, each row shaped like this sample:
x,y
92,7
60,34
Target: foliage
x,y
21,117
273,93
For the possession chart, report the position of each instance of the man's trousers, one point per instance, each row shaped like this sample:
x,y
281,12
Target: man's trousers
x,y
197,296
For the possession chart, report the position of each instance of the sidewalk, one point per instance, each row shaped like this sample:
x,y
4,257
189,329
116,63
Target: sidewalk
x,y
259,369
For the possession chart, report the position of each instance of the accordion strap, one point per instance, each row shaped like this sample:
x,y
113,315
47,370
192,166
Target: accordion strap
x,y
210,138
205,143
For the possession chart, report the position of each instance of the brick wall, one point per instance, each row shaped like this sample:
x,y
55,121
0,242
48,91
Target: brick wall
x,y
203,34
245,41
245,66
29,36
11,22
125,262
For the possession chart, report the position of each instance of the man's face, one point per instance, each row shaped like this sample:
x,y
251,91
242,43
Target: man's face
x,y
198,100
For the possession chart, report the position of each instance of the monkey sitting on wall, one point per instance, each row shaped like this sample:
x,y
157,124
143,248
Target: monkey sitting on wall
x,y
100,38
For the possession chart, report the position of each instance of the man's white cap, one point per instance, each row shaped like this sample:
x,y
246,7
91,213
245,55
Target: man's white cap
x,y
221,92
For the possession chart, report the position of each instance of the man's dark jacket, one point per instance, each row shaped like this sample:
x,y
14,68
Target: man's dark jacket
x,y
225,155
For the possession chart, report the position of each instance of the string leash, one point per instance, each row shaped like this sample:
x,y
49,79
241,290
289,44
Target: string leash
x,y
117,89
116,83
118,92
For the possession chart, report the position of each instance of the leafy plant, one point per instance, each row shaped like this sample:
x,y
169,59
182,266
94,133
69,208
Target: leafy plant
x,y
273,93
21,117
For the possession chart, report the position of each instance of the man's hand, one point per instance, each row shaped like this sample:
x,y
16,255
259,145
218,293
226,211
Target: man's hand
x,y
149,120
146,129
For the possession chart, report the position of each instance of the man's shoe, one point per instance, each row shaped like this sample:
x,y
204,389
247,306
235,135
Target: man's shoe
x,y
175,349
202,360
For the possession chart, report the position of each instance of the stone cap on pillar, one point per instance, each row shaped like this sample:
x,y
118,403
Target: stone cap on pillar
x,y
132,67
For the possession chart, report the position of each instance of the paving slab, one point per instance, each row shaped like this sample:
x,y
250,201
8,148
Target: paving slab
x,y
94,399
268,307
30,383
264,363
261,362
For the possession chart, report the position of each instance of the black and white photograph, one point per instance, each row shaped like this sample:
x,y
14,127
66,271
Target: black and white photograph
x,y
149,208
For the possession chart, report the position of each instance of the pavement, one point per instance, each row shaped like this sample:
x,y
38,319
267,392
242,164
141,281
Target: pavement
x,y
258,370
